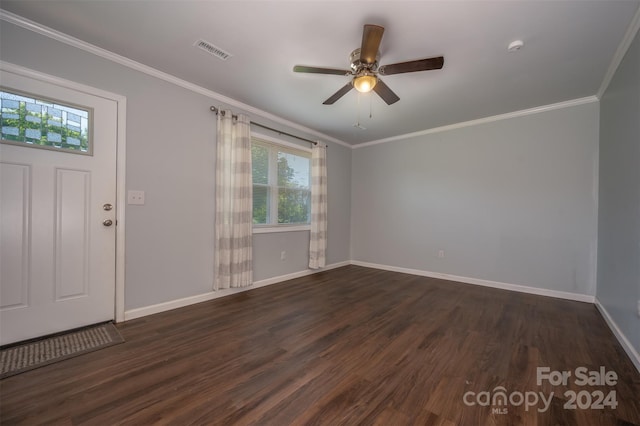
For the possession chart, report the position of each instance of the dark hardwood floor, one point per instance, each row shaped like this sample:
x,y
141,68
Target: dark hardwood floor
x,y
348,346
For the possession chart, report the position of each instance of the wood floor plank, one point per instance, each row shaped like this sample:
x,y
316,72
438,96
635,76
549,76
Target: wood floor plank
x,y
349,346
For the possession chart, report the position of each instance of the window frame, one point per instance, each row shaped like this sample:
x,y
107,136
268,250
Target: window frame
x,y
264,228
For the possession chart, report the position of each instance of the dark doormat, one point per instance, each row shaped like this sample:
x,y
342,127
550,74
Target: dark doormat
x,y
21,357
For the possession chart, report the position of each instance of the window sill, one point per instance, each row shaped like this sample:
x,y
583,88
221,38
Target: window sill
x,y
281,228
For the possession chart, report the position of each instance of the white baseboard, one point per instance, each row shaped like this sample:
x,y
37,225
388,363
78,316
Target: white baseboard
x,y
179,303
495,284
624,342
186,301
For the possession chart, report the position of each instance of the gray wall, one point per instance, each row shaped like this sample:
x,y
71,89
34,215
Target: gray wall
x,y
170,155
619,197
512,201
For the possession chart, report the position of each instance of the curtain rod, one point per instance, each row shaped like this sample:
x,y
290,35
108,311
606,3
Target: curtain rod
x,y
280,132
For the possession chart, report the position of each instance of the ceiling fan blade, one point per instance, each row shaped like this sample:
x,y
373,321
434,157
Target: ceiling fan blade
x,y
371,38
385,93
412,66
317,70
340,93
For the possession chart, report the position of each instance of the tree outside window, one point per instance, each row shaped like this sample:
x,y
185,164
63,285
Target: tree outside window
x,y
281,185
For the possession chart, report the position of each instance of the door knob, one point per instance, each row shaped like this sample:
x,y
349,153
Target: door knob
x,y
107,222
107,207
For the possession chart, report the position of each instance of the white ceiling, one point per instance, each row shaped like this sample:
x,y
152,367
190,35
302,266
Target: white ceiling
x,y
569,45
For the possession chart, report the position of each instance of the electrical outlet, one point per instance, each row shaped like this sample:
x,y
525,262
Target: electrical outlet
x,y
283,255
135,197
440,254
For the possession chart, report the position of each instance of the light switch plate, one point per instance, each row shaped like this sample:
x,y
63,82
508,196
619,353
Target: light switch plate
x,y
135,197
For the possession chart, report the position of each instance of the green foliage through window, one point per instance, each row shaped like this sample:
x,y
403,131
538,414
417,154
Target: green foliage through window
x,y
281,185
36,122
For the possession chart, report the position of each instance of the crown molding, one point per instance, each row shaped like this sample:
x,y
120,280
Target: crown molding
x,y
113,57
106,54
632,30
514,114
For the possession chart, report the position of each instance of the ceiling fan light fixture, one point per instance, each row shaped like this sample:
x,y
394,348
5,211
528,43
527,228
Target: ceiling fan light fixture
x,y
365,83
364,68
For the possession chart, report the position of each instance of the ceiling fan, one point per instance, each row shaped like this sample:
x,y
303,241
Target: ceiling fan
x,y
365,69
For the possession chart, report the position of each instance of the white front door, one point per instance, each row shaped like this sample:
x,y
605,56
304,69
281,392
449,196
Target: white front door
x,y
57,247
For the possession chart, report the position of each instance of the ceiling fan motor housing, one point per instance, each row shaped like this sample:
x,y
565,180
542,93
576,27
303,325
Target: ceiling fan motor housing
x,y
358,67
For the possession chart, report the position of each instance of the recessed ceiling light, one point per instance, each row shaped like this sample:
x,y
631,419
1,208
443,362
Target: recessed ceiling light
x,y
516,45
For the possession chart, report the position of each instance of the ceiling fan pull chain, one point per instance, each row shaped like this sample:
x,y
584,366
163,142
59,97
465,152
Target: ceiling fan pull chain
x,y
370,106
358,116
357,123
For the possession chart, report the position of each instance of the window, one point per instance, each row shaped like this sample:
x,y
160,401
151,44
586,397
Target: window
x,y
281,184
40,123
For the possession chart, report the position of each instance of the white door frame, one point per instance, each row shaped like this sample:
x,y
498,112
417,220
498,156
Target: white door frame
x,y
121,102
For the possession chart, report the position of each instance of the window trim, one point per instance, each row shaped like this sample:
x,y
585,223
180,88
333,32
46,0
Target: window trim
x,y
265,228
276,141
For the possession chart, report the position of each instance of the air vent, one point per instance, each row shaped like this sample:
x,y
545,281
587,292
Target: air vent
x,y
214,50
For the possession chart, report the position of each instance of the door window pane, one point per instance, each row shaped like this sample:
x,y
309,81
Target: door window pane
x,y
40,123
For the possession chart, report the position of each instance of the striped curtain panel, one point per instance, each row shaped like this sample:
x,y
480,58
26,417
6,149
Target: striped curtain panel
x,y
234,203
318,238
